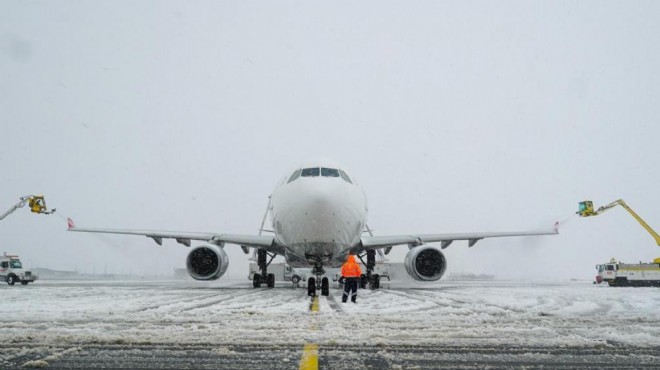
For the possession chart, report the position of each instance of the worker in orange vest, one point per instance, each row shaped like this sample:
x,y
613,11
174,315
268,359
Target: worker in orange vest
x,y
351,273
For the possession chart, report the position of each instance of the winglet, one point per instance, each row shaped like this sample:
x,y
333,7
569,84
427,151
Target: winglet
x,y
556,227
70,223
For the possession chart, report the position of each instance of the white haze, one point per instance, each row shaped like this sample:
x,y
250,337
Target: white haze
x,y
454,116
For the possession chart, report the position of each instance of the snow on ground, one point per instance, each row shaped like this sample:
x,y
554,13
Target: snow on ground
x,y
442,313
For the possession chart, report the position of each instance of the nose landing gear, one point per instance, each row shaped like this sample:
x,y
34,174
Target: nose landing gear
x,y
322,283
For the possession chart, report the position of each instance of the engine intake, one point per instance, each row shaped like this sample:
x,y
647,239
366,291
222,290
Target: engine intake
x,y
207,262
425,263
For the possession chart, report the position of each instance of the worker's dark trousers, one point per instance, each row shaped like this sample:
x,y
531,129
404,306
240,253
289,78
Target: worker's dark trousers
x,y
350,285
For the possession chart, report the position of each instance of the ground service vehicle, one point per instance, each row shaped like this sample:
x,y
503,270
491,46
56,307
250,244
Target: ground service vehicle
x,y
629,274
280,271
11,271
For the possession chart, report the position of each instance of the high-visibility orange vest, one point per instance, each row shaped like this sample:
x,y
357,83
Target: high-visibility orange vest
x,y
351,268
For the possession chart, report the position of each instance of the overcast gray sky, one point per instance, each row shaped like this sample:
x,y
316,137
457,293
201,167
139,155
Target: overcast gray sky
x,y
454,116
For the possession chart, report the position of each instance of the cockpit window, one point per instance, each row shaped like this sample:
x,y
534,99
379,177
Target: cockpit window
x,y
345,177
329,172
309,172
294,176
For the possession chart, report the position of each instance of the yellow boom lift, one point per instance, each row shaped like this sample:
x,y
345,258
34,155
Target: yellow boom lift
x,y
37,204
586,209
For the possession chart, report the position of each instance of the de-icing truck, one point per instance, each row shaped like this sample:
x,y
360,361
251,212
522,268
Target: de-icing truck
x,y
617,273
11,271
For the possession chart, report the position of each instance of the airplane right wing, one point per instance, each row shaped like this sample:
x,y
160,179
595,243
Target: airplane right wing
x,y
377,242
268,243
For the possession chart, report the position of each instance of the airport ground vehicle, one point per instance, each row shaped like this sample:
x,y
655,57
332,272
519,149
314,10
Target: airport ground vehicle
x,y
37,204
11,271
624,274
617,273
280,271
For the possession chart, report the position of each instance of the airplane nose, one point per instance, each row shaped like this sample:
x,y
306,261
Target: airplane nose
x,y
323,207
320,200
319,213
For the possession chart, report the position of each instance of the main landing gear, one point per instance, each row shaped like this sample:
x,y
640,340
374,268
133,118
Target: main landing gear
x,y
313,284
369,278
264,277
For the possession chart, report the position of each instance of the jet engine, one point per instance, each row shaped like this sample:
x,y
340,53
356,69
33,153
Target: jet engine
x,y
207,262
425,263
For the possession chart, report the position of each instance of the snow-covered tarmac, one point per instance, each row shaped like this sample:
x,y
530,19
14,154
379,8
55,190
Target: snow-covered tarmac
x,y
54,320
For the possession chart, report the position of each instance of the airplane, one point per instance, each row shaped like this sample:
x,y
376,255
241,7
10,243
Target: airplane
x,y
319,216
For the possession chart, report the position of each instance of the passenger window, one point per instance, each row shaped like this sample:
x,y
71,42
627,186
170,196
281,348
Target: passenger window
x,y
4,264
310,172
294,176
329,172
345,177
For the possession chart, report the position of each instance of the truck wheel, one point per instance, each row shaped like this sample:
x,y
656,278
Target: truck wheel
x,y
11,280
295,279
621,281
24,282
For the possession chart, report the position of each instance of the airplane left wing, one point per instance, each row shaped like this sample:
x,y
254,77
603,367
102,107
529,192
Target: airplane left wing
x,y
265,242
377,242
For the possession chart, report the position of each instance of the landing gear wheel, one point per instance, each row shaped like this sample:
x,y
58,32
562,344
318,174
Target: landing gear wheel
x,y
311,287
363,281
11,280
270,280
24,282
295,279
325,286
375,281
256,280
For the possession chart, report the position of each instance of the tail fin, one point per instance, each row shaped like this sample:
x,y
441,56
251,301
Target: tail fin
x,y
70,223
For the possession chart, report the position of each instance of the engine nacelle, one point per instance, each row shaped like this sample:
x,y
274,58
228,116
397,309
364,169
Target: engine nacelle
x,y
425,263
207,262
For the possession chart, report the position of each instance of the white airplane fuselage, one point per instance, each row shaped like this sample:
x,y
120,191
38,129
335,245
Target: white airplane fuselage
x,y
318,218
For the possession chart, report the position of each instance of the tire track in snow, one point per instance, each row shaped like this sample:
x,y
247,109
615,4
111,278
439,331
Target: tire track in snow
x,y
170,303
333,304
417,298
226,298
430,297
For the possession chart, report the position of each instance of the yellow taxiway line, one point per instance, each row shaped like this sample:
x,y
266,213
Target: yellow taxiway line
x,y
310,357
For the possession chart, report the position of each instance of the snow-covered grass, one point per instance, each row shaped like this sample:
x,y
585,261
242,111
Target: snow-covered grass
x,y
443,313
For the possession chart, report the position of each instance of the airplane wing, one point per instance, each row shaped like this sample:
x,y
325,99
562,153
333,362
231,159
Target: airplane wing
x,y
377,242
256,241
